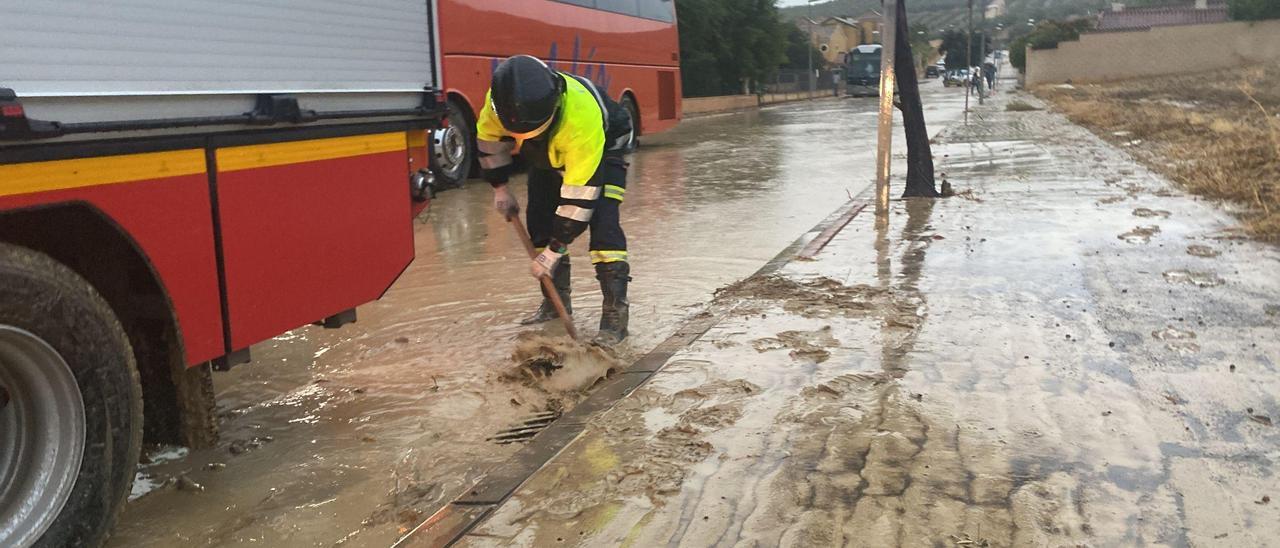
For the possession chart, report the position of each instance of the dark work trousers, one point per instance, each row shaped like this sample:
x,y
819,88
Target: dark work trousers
x,y
608,242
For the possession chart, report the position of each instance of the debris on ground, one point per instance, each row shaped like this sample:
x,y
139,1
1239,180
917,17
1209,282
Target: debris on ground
x,y
1020,106
804,345
559,364
1140,234
1202,251
185,483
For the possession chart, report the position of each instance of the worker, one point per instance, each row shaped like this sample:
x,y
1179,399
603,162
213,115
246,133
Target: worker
x,y
572,137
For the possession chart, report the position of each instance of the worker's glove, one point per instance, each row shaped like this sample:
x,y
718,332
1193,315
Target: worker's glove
x,y
505,203
544,263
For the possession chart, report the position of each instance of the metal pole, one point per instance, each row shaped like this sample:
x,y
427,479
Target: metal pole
x,y
968,58
808,76
982,59
888,46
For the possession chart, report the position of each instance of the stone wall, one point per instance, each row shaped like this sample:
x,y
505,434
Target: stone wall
x,y
1103,56
694,106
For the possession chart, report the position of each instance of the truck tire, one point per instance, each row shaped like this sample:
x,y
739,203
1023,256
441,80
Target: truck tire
x,y
629,103
453,147
70,406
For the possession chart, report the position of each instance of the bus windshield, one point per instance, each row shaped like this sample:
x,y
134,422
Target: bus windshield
x,y
864,64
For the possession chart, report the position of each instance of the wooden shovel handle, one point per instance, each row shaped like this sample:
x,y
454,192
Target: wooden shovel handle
x,y
547,286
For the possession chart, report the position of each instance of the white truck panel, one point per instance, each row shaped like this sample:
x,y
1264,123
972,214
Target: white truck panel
x,y
375,54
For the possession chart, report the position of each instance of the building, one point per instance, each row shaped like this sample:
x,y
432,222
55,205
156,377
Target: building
x,y
835,36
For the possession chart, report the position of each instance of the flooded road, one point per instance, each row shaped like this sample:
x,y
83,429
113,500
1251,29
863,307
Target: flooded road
x,y
347,437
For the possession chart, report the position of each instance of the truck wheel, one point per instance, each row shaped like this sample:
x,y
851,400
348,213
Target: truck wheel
x,y
70,406
629,103
453,148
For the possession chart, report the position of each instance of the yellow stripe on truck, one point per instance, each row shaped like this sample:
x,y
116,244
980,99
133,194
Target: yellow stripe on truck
x,y
417,138
278,154
33,177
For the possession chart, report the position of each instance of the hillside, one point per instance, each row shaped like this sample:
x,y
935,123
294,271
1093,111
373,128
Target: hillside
x,y
939,14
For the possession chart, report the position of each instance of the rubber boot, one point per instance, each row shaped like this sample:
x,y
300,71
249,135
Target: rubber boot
x,y
614,310
547,311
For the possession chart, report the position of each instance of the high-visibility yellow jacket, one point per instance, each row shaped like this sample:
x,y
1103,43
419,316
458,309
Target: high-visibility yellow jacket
x,y
587,123
575,144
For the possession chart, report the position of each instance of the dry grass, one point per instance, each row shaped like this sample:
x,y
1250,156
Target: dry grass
x,y
1217,134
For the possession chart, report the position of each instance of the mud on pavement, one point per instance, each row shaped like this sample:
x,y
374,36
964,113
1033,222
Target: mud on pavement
x,y
1023,368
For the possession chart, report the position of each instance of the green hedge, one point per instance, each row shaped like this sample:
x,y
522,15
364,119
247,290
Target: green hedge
x,y
1253,10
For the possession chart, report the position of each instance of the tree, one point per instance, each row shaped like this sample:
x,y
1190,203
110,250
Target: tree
x,y
955,43
919,154
726,45
1046,35
920,45
700,47
1253,10
799,50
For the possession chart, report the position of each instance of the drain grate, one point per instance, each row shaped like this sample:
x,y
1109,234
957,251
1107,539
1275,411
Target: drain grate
x,y
526,429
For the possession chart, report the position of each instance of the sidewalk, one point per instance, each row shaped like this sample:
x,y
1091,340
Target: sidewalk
x,y
1070,352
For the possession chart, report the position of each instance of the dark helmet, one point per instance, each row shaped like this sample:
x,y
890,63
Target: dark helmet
x,y
526,93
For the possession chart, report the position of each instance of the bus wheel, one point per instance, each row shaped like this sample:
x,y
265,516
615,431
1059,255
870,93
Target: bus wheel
x,y
70,406
452,148
628,102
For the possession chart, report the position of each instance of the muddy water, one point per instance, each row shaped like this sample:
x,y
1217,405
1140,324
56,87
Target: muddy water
x,y
348,436
994,371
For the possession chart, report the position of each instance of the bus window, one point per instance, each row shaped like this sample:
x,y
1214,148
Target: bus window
x,y
657,9
627,7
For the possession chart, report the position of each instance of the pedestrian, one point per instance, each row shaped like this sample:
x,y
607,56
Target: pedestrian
x,y
572,137
989,71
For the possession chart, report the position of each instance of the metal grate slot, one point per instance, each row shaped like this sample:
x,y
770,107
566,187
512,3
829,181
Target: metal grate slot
x,y
526,429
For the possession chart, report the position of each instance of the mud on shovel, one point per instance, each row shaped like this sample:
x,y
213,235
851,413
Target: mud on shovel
x,y
547,287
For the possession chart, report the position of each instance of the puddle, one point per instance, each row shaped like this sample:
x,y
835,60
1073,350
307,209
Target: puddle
x,y
1199,279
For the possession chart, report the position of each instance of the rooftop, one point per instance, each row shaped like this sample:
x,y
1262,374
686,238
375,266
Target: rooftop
x,y
1145,18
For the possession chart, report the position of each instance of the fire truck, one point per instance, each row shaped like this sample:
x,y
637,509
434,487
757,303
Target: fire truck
x,y
179,180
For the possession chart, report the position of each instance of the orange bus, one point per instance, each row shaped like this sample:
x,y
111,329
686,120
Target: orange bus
x,y
629,48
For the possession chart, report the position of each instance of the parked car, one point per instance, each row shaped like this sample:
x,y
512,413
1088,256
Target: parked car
x,y
931,71
956,77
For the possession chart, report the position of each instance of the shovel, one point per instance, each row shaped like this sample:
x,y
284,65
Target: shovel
x,y
547,287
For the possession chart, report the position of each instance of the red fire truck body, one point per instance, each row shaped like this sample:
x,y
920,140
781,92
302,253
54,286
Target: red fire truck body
x,y
180,180
300,239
